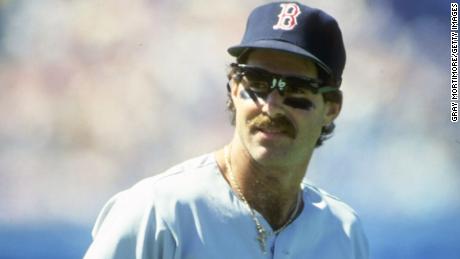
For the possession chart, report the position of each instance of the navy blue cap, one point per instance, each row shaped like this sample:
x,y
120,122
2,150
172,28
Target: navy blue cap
x,y
297,29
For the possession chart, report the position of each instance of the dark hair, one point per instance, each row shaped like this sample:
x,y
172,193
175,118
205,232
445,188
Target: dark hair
x,y
326,131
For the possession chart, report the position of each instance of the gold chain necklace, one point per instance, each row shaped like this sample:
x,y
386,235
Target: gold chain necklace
x,y
261,232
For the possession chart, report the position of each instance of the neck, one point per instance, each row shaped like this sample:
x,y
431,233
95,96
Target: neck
x,y
271,190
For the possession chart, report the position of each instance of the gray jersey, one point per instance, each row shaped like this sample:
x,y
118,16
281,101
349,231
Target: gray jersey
x,y
190,211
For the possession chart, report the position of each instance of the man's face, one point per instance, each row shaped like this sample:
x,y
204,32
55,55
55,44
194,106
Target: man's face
x,y
280,129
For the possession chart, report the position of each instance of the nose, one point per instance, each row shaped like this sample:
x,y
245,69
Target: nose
x,y
272,103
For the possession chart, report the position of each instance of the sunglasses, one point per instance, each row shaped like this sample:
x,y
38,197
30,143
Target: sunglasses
x,y
261,81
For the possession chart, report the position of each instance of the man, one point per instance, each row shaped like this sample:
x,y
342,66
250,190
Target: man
x,y
248,200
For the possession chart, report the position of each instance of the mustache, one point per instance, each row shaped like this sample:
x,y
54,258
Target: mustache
x,y
279,122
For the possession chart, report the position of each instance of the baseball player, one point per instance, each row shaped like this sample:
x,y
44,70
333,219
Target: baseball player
x,y
249,199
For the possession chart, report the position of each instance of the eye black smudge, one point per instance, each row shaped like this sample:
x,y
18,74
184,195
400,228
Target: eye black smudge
x,y
299,103
246,94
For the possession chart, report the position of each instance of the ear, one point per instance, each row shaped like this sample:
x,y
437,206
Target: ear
x,y
331,111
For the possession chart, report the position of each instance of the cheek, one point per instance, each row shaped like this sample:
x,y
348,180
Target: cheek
x,y
245,106
309,133
310,122
245,100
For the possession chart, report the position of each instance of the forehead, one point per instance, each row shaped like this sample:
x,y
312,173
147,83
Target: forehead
x,y
282,63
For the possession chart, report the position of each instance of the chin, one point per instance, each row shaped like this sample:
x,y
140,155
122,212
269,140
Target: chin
x,y
269,155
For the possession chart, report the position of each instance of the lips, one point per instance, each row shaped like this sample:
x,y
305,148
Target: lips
x,y
272,130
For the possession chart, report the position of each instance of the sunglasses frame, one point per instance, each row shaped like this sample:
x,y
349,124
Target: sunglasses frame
x,y
280,81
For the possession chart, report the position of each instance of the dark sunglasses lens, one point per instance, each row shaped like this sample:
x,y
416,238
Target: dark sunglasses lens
x,y
256,80
300,85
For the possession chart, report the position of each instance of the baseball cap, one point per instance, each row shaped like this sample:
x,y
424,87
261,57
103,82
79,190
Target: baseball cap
x,y
297,29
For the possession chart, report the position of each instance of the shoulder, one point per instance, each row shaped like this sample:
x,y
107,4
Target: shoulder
x,y
181,179
140,212
185,178
180,170
152,191
337,215
326,201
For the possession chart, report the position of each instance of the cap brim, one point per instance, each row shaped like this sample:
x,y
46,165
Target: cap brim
x,y
238,50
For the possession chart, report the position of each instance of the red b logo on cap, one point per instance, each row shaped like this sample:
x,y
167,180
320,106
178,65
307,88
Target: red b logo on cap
x,y
287,19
